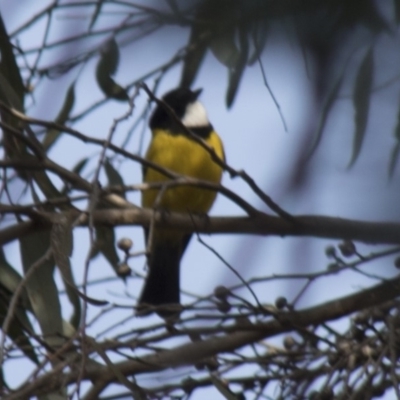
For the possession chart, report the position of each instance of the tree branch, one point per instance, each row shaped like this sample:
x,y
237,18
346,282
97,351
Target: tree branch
x,y
265,225
195,352
262,224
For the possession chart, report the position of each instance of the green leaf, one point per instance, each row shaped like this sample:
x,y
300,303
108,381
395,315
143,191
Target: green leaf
x,y
9,68
61,239
193,58
16,330
80,165
397,129
106,67
105,242
11,93
3,383
361,102
105,236
397,10
113,176
10,279
235,73
224,48
41,287
77,169
91,300
46,186
20,324
394,158
200,36
13,146
9,96
259,36
332,96
53,134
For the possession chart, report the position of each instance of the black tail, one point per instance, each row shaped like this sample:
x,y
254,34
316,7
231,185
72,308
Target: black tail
x,y
162,282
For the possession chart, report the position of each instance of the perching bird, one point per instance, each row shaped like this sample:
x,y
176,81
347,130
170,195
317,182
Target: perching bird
x,y
173,148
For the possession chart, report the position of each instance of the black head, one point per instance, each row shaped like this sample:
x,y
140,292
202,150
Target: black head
x,y
178,100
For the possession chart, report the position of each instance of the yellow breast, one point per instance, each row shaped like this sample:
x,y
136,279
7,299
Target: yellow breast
x,y
184,156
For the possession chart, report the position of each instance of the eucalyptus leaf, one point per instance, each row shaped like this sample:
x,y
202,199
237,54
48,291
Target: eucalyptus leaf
x,y
361,102
235,73
105,243
62,245
13,146
16,330
10,279
91,300
11,93
41,287
3,382
394,156
193,58
106,67
394,159
259,36
113,176
330,101
397,128
53,134
20,326
201,34
105,235
46,186
77,169
8,95
224,48
397,10
9,69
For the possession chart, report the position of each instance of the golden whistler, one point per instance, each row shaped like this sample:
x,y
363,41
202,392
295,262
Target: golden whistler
x,y
173,148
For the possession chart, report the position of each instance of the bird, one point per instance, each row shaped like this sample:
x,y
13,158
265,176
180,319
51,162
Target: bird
x,y
172,147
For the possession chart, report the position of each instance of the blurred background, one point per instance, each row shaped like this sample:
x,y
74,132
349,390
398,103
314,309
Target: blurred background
x,y
305,96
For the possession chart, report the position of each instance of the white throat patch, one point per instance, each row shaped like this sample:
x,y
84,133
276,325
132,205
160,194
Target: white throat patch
x,y
195,116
